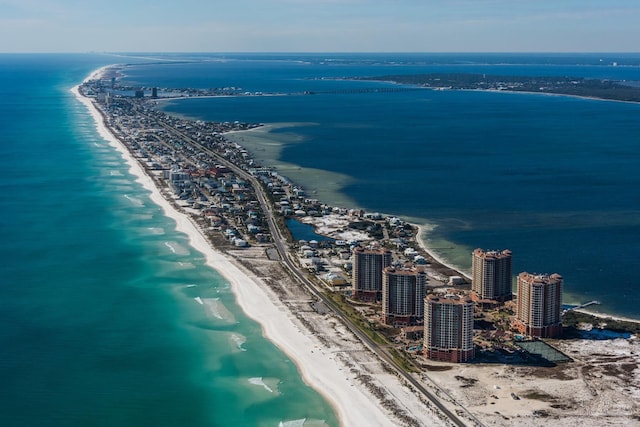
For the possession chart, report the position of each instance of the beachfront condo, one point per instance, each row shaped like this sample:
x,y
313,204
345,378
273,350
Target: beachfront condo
x,y
491,275
448,328
539,305
403,292
368,264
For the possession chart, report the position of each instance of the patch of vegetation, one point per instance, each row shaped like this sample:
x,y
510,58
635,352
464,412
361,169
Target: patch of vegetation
x,y
435,368
284,230
540,413
562,406
483,325
355,316
538,395
401,360
554,372
359,225
374,229
572,319
466,382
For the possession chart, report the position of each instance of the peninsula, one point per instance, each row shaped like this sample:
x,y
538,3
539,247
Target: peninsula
x,y
557,85
236,211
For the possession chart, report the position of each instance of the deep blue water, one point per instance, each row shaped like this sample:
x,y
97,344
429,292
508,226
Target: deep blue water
x,y
100,316
554,179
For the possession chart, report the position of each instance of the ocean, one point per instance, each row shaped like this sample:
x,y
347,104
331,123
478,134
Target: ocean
x,y
555,179
108,317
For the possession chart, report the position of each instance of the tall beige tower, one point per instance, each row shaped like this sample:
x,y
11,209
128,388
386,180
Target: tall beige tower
x,y
403,292
539,305
448,328
368,264
491,274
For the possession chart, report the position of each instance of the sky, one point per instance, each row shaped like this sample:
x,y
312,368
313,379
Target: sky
x,y
319,26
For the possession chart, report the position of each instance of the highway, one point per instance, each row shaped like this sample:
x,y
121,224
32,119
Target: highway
x,y
281,246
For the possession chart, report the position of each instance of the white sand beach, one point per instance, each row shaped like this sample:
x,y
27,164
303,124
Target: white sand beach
x,y
318,365
420,240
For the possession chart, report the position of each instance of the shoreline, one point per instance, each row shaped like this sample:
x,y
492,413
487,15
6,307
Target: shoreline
x,y
420,242
422,228
524,92
605,316
347,397
351,405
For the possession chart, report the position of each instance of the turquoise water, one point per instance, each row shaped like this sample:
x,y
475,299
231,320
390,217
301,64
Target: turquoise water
x,y
108,317
554,179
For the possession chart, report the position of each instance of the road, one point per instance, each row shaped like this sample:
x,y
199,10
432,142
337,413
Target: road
x,y
283,251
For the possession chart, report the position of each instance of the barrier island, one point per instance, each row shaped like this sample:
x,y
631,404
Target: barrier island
x,y
235,212
556,85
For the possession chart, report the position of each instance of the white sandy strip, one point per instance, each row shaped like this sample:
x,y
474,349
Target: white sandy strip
x,y
93,76
352,405
604,316
433,254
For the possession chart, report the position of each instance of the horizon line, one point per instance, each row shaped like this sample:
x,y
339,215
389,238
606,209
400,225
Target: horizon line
x,y
275,52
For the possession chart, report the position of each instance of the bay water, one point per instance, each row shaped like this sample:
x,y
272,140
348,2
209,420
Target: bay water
x,y
556,179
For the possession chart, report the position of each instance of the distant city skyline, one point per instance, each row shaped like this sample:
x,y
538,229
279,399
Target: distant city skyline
x,y
319,26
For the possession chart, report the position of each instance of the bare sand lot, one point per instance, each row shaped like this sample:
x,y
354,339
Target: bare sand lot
x,y
600,387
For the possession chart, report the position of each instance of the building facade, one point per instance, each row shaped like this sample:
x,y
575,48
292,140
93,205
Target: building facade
x,y
448,328
368,264
403,292
492,275
539,305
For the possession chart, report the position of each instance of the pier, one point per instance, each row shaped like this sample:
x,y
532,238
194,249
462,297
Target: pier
x,y
586,304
